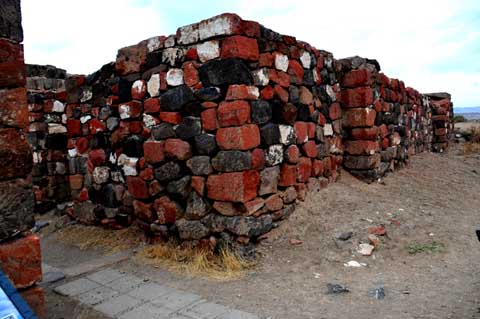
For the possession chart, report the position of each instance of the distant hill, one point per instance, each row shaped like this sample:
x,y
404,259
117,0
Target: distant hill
x,y
463,110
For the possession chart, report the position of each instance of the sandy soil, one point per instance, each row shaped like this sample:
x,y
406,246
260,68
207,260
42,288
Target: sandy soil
x,y
434,200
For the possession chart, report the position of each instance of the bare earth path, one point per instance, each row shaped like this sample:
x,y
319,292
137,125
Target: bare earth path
x,y
435,200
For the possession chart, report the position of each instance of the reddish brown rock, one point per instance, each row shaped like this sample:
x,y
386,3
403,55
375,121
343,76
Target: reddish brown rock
x,y
14,108
233,187
240,47
238,138
137,187
178,149
15,155
234,113
12,65
154,151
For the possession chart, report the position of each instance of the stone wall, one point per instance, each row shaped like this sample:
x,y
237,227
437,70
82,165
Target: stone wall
x,y
216,131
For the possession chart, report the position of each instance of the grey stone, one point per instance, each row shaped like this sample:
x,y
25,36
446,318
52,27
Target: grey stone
x,y
176,98
190,127
125,284
232,161
163,131
176,300
208,93
200,165
180,187
205,144
168,171
274,155
11,20
197,207
249,226
150,291
344,235
97,295
269,180
105,276
261,111
117,305
76,287
191,229
112,123
270,134
16,208
52,276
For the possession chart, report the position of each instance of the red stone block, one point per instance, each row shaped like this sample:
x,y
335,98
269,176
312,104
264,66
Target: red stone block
x,y
301,131
310,149
358,97
292,154
15,154
357,78
311,130
97,157
131,59
83,195
191,54
383,130
359,118
304,169
279,77
131,109
301,190
21,261
178,149
335,111
198,184
74,127
209,105
295,70
171,117
143,211
251,207
76,181
233,187
96,126
281,93
288,175
267,93
233,113
209,119
317,168
12,65
250,28
146,174
190,73
265,60
14,108
258,158
368,133
241,92
137,187
361,147
154,151
240,47
151,105
238,138
362,162
274,203
139,88
82,145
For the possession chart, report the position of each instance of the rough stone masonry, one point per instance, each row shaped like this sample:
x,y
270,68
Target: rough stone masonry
x,y
216,131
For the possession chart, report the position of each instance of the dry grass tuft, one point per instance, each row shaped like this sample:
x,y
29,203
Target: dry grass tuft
x,y
88,237
224,266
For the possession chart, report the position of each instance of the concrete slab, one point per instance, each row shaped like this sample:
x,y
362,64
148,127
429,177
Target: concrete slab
x,y
150,291
147,311
204,310
237,314
76,287
106,275
97,295
118,305
126,283
176,300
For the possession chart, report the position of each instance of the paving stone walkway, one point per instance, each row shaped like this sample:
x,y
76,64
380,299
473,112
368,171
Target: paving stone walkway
x,y
124,296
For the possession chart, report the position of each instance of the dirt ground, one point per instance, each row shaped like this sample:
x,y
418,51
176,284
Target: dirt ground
x,y
434,201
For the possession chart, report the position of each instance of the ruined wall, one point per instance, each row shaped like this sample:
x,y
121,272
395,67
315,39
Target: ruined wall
x,y
443,125
47,135
217,129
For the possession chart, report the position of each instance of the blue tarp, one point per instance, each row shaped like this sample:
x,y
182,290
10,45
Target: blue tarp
x,y
12,305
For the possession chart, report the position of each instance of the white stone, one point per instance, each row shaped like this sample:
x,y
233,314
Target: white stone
x,y
54,128
281,62
355,264
72,152
113,158
219,25
60,168
86,95
58,107
153,85
253,91
64,118
208,51
365,249
170,41
154,44
261,77
328,130
188,34
316,76
175,77
306,60
101,174
124,111
274,155
138,86
84,119
129,164
331,93
328,62
149,121
37,157
287,134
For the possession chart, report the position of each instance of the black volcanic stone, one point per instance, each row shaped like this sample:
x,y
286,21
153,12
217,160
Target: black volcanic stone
x,y
225,72
163,131
190,127
270,134
56,142
181,187
200,165
208,94
293,94
168,171
261,111
205,144
133,146
174,99
11,20
232,161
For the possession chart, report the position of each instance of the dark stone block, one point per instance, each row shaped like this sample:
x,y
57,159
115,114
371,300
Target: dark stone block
x,y
176,98
200,165
133,146
11,20
168,171
197,207
180,188
225,72
232,161
261,111
163,131
16,208
205,144
208,94
190,127
270,134
56,141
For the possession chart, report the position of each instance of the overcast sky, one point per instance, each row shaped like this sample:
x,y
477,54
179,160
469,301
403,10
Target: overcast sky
x,y
431,45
